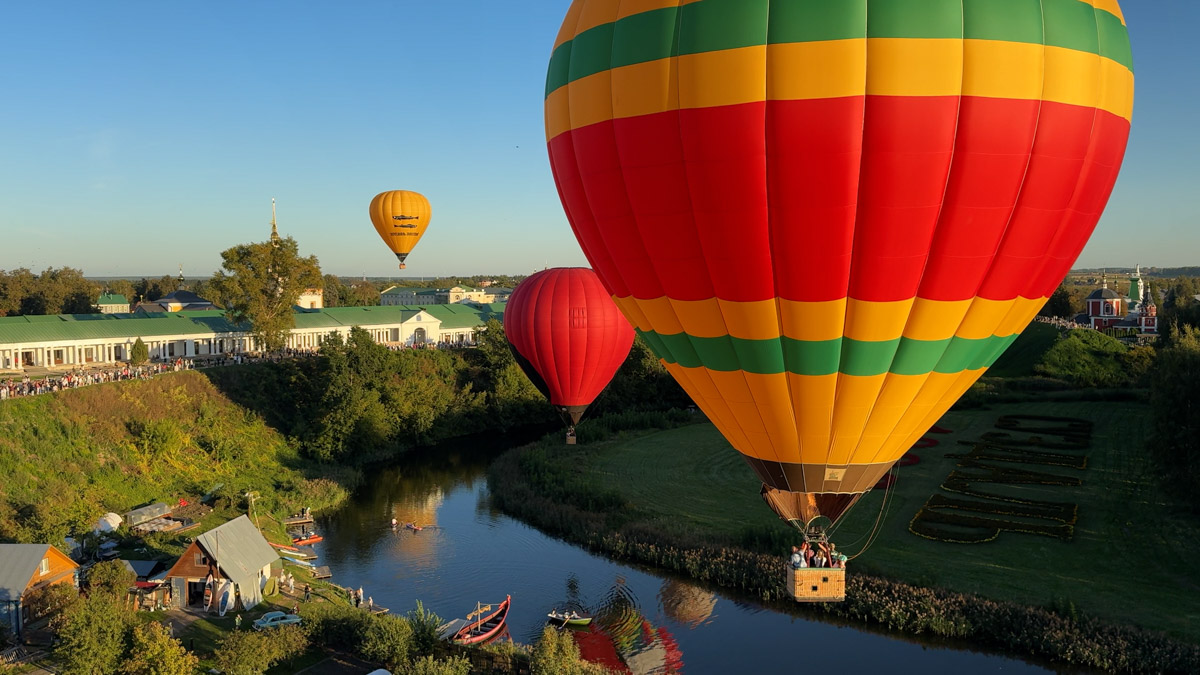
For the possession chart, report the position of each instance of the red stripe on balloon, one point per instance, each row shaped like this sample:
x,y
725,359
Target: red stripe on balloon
x,y
988,186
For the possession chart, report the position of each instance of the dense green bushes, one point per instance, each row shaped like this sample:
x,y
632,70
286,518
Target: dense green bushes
x,y
1175,398
69,457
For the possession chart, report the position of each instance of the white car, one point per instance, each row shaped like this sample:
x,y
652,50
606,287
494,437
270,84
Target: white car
x,y
272,619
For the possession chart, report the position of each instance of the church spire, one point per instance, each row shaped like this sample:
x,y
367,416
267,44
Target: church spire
x,y
274,227
180,277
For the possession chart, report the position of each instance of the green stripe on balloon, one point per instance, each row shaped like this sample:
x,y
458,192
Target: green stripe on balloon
x,y
902,356
715,25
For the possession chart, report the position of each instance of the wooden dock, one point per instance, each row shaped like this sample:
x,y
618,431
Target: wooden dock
x,y
297,520
322,572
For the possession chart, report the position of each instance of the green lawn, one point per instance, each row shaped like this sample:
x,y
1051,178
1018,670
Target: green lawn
x,y
1132,560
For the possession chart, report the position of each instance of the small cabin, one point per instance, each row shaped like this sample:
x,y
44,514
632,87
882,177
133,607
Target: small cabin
x,y
26,569
817,584
235,552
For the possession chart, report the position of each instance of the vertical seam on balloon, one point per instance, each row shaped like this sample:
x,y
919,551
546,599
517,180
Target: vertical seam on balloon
x,y
933,238
926,421
770,438
787,381
703,371
1063,222
862,153
1101,85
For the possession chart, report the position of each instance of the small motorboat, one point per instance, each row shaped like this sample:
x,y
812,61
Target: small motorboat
x,y
481,628
307,539
569,617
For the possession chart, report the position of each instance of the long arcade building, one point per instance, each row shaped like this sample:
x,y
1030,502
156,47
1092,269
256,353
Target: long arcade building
x,y
82,339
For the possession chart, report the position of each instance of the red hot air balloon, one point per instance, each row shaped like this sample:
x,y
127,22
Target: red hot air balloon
x,y
568,337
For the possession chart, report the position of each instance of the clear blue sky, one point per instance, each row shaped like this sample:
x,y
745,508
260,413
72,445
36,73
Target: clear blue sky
x,y
135,136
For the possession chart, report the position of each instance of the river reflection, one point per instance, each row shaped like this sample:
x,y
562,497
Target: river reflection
x,y
645,623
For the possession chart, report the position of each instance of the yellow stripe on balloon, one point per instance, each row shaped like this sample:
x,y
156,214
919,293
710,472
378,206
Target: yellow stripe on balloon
x,y
935,319
813,397
920,67
876,321
898,67
916,319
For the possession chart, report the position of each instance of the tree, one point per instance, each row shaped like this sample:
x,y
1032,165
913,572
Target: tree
x,y
362,294
259,284
91,636
51,599
140,352
387,640
335,291
1175,404
110,578
557,653
425,624
246,653
1062,303
152,651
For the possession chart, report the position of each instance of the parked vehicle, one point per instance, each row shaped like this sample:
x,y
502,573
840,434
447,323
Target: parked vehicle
x,y
273,619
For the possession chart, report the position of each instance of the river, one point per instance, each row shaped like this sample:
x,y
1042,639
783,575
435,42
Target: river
x,y
646,622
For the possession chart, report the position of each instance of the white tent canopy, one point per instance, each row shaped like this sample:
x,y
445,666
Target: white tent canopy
x,y
107,523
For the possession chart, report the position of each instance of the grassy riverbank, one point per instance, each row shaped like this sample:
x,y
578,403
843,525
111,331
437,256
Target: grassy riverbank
x,y
72,456
682,499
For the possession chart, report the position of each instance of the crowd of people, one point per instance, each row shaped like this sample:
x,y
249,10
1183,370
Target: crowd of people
x,y
27,386
824,554
1059,322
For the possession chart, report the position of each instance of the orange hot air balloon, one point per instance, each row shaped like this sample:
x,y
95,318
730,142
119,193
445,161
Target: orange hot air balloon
x,y
400,217
829,218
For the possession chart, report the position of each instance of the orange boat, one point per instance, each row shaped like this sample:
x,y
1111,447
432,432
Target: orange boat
x,y
482,630
308,539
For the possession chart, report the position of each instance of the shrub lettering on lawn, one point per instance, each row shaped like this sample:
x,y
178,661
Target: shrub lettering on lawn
x,y
985,514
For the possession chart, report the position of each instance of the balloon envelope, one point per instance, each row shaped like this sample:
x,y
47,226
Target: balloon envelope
x,y
829,218
400,217
568,336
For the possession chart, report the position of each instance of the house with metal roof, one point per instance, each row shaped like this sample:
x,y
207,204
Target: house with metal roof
x,y
234,555
112,303
26,569
71,340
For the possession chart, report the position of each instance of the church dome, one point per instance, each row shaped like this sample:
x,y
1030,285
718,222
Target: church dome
x,y
1103,294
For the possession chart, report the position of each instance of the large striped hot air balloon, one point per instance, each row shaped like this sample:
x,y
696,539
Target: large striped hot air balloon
x,y
828,218
568,337
400,218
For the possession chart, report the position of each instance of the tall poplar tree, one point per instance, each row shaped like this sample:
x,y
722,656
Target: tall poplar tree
x,y
259,284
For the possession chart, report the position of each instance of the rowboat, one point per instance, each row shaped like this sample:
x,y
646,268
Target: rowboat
x,y
307,539
569,618
485,628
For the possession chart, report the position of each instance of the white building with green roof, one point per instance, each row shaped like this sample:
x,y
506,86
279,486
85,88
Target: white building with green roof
x,y
113,303
71,340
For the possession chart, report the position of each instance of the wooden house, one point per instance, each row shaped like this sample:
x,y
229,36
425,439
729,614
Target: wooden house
x,y
26,569
235,552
